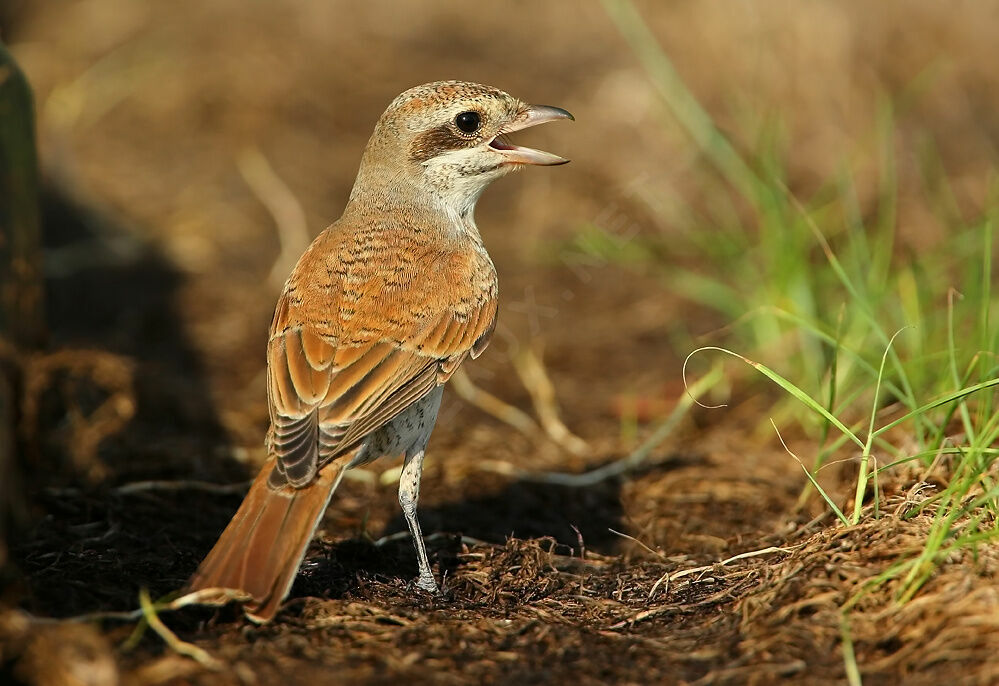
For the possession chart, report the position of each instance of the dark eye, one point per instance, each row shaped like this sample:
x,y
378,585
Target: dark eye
x,y
468,122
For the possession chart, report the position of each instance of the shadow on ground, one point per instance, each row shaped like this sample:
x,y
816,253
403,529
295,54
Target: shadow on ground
x,y
119,397
521,510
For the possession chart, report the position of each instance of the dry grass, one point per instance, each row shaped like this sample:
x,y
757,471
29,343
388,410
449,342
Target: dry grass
x,y
528,608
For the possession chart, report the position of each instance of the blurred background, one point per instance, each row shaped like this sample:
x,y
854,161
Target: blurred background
x,y
189,149
146,110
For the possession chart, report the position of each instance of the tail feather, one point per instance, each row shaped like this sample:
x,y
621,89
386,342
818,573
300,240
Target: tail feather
x,y
261,549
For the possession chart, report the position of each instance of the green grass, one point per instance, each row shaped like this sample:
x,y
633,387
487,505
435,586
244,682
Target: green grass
x,y
871,345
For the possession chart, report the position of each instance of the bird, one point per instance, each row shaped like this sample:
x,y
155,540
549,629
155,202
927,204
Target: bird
x,y
375,317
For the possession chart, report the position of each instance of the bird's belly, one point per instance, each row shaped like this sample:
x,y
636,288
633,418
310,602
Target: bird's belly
x,y
408,431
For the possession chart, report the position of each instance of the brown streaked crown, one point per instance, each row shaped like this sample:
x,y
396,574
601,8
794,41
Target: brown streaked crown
x,y
419,124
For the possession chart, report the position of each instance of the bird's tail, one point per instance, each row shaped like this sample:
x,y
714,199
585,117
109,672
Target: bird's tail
x,y
261,549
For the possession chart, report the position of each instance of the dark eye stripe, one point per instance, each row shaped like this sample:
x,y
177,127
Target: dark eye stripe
x,y
432,143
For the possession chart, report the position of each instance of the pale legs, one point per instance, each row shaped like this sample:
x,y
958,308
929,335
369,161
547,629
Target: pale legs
x,y
409,431
409,496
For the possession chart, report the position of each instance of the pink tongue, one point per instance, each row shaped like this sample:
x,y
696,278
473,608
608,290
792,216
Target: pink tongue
x,y
501,144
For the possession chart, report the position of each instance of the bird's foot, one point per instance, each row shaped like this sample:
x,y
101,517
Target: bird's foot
x,y
426,582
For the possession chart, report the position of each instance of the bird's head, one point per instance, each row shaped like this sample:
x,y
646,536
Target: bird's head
x,y
448,140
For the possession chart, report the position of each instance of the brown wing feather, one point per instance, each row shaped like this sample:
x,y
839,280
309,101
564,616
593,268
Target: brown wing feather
x,y
311,380
398,400
325,398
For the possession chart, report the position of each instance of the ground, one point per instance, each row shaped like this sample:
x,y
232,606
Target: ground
x,y
147,410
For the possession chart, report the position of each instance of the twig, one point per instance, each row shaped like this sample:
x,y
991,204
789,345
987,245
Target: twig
x,y
287,212
531,371
205,596
655,586
239,487
636,459
668,578
160,485
491,405
643,615
741,556
190,650
632,538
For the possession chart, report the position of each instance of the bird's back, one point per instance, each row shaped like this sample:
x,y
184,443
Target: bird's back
x,y
383,278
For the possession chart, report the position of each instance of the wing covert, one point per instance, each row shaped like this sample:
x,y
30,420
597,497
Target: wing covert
x,y
325,399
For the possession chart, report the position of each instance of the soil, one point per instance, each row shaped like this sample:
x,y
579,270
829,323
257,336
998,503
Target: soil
x,y
144,416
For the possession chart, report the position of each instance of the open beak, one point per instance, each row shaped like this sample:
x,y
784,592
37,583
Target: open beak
x,y
532,115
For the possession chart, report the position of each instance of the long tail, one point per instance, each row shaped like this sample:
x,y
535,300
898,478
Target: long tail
x,y
261,549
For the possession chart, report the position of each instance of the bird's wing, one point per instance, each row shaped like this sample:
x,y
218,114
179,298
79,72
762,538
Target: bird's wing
x,y
324,398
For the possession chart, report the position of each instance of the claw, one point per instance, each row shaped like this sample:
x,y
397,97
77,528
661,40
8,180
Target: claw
x,y
428,584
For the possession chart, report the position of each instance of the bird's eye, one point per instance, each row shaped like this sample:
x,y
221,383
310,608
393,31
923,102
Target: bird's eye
x,y
468,122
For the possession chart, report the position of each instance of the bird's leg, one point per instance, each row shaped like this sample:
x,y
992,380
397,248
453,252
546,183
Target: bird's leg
x,y
409,496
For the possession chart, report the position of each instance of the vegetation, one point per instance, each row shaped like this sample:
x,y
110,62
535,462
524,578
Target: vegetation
x,y
844,316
